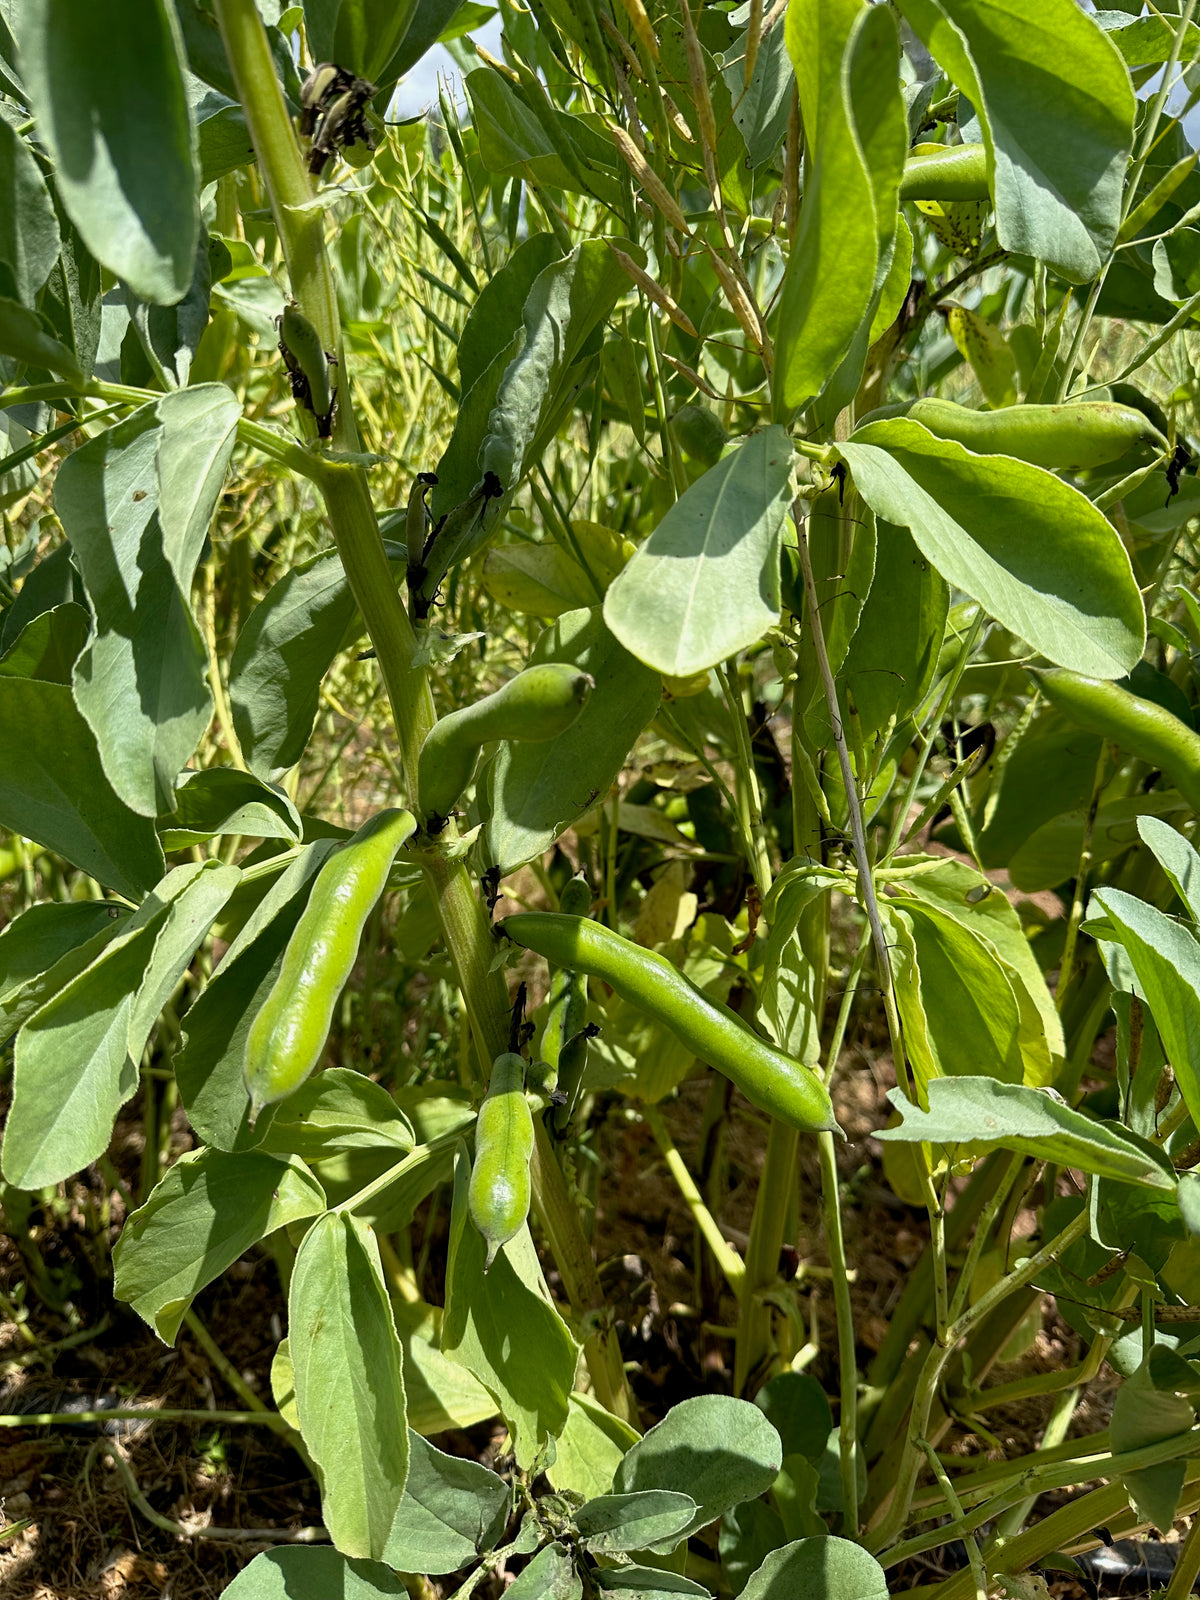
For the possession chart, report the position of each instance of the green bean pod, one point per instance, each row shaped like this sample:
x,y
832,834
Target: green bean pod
x,y
773,1081
1069,437
288,1035
539,703
952,172
499,1190
1147,730
304,342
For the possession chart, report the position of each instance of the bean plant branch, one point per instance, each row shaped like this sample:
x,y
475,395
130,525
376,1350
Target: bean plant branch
x,y
355,528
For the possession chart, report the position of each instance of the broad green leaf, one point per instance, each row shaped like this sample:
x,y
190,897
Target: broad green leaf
x,y
52,582
141,681
361,35
512,139
430,20
171,335
551,1575
23,336
295,1573
535,791
568,304
646,1583
1142,1415
48,647
1056,108
199,427
54,789
959,891
1050,855
34,942
537,580
1178,860
106,86
222,800
339,1109
749,1533
796,1407
503,1327
589,1449
208,1068
498,311
349,1382
761,107
892,657
648,1519
831,269
981,1112
77,1058
1166,958
458,470
286,646
706,583
1147,41
958,1004
712,1447
29,237
1031,549
823,1568
441,1394
453,1510
1051,771
209,1209
791,971
20,1003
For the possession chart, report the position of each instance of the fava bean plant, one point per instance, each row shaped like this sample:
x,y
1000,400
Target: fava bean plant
x,y
785,564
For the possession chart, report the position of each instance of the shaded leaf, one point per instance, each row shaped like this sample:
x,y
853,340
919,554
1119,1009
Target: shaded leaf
x,y
981,1112
452,1511
106,86
209,1209
294,1573
822,1568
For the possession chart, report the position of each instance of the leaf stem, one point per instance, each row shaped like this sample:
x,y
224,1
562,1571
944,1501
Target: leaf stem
x,y
724,1254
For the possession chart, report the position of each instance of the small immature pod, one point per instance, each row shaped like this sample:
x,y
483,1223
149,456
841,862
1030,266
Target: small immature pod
x,y
304,343
321,82
499,1191
539,703
416,522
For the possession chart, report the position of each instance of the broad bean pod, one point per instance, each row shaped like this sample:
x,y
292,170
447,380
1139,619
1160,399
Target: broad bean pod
x,y
773,1081
500,1187
288,1035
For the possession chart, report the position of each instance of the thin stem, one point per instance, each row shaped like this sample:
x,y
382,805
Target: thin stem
x,y
1079,898
181,1531
221,1362
724,1254
749,800
831,1213
974,1558
1187,1566
70,1419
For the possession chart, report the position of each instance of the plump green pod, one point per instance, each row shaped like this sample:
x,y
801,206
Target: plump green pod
x,y
1146,730
499,1191
700,433
288,1035
539,703
1069,437
774,1082
304,342
953,172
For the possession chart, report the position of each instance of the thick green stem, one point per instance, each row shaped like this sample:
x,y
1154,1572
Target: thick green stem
x,y
723,1252
893,1518
762,1252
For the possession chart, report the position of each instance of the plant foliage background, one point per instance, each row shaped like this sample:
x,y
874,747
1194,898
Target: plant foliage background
x,y
890,748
